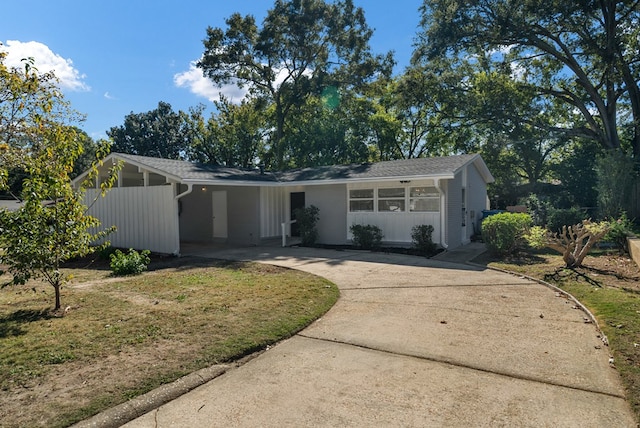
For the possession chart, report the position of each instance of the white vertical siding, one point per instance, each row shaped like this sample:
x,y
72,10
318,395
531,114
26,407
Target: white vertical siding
x,y
396,227
146,217
272,211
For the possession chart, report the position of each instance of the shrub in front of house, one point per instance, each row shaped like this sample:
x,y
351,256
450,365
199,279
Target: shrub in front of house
x,y
131,263
422,241
504,233
367,237
307,218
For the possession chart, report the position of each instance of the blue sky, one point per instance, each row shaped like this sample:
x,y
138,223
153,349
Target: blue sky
x,y
116,57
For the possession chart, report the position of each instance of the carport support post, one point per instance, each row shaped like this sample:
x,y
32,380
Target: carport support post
x,y
177,208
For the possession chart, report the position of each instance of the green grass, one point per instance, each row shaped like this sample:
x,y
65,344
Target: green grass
x,y
613,302
119,339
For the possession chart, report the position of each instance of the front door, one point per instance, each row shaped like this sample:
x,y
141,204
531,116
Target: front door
x,y
219,198
297,201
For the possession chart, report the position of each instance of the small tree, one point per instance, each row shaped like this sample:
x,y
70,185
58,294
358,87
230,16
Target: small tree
x,y
573,242
52,225
307,218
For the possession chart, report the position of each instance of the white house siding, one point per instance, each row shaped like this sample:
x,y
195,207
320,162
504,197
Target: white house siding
x,y
396,226
146,217
273,211
454,211
332,202
476,200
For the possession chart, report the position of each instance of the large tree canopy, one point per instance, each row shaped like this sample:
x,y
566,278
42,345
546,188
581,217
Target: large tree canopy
x,y
581,54
304,47
158,133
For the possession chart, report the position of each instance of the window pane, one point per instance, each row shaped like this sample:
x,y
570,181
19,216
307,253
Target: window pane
x,y
391,193
361,193
424,191
365,205
395,205
426,204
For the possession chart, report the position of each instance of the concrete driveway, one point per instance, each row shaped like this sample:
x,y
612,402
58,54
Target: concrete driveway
x,y
415,342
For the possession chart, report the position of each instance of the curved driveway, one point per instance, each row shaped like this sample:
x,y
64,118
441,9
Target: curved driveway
x,y
415,342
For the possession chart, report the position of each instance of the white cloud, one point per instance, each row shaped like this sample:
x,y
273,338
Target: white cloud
x,y
203,87
108,96
45,61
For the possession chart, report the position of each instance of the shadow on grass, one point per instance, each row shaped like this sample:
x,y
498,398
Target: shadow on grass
x,y
564,273
10,325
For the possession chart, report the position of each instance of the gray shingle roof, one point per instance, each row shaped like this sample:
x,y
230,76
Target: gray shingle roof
x,y
420,167
184,170
437,166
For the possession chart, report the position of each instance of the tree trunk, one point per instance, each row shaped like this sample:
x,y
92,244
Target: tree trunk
x,y
56,287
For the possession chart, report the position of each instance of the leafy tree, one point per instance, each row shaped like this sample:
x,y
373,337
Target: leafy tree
x,y
615,178
302,48
326,136
579,54
574,168
158,133
52,226
233,135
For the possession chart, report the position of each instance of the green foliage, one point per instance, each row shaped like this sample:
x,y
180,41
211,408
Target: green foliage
x,y
504,233
615,177
52,225
160,133
546,46
367,237
306,219
557,218
421,237
232,136
302,49
619,230
537,237
132,263
538,209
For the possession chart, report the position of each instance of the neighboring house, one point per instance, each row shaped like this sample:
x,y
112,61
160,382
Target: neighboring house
x,y
158,204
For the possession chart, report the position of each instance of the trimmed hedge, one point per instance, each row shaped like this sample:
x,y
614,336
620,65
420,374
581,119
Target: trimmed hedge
x,y
504,233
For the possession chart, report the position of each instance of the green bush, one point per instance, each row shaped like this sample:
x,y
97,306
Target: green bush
x,y
504,233
619,231
307,218
422,240
367,237
132,263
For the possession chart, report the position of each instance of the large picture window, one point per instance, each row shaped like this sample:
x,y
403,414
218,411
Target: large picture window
x,y
361,200
424,199
394,199
391,199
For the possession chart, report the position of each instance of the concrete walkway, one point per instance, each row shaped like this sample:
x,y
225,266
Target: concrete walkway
x,y
415,342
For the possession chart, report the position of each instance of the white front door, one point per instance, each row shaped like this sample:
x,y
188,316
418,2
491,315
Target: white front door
x,y
219,198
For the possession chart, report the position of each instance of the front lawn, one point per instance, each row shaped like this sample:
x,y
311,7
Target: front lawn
x,y
122,337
